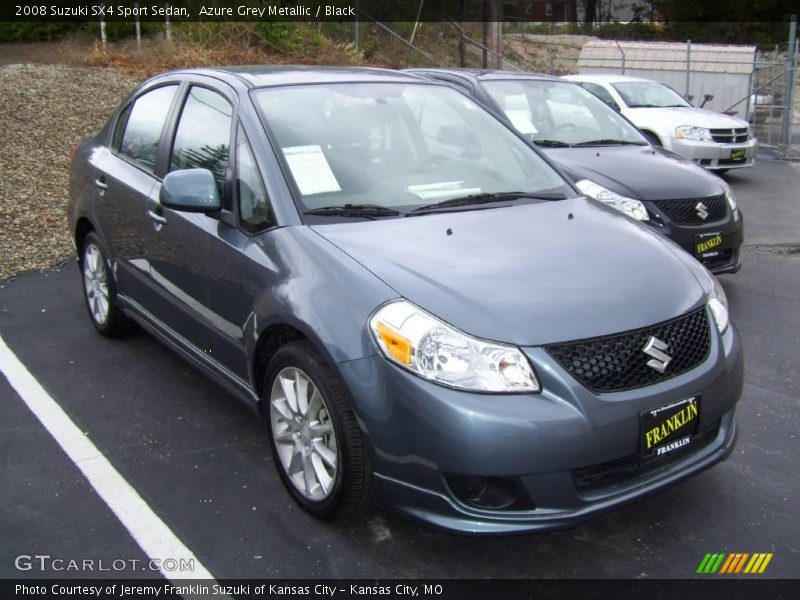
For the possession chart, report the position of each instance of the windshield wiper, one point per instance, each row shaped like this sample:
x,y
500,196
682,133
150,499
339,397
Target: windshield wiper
x,y
608,142
355,210
485,198
552,144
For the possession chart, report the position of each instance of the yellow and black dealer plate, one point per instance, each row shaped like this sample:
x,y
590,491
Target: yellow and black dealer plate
x,y
738,154
707,245
670,427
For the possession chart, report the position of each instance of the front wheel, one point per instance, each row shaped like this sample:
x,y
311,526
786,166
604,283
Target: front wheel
x,y
100,292
318,447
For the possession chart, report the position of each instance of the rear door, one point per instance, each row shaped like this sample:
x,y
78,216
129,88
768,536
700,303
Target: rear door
x,y
126,183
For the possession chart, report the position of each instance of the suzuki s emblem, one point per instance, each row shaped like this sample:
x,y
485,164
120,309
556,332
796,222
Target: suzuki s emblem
x,y
701,210
656,349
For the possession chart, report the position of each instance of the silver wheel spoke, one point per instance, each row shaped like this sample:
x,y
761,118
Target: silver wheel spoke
x,y
320,473
314,404
282,408
289,393
325,453
320,429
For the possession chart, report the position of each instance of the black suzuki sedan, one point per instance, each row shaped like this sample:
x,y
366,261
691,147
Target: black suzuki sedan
x,y
611,161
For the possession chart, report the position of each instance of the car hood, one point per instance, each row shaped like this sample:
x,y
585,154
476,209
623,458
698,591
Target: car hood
x,y
675,116
640,172
528,274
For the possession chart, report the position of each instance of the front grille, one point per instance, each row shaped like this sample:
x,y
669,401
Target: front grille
x,y
617,362
730,136
608,475
685,212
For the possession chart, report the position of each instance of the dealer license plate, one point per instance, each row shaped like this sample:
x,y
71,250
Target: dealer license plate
x,y
708,245
669,428
738,154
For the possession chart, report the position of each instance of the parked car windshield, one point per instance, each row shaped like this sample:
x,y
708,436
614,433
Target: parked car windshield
x,y
554,113
398,146
648,94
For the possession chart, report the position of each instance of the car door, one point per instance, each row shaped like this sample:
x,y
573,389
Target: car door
x,y
178,252
239,271
126,184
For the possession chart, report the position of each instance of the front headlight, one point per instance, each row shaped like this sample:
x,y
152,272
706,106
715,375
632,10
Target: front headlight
x,y
629,206
690,132
731,201
430,348
718,303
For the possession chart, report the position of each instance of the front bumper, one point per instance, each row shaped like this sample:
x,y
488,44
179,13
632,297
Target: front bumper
x,y
422,433
725,258
713,155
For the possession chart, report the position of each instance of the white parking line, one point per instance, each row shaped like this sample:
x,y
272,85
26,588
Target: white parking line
x,y
151,533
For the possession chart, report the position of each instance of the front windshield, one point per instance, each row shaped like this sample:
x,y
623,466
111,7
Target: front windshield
x,y
397,146
648,94
557,113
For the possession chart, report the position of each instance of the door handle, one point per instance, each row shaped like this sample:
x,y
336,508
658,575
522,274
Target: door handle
x,y
100,182
156,217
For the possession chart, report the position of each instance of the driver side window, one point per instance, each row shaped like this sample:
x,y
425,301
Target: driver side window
x,y
600,92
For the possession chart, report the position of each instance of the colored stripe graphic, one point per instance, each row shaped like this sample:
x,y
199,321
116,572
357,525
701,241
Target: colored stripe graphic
x,y
711,563
734,563
758,563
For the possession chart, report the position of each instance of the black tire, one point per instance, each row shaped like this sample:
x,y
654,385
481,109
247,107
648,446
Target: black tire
x,y
351,493
652,138
114,323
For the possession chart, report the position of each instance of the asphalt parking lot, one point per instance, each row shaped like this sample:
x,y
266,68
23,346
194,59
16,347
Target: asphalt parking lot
x,y
202,462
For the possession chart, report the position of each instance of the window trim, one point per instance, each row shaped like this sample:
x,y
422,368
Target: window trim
x,y
117,123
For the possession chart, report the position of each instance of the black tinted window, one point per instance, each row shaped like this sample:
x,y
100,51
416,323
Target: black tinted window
x,y
255,211
144,126
203,136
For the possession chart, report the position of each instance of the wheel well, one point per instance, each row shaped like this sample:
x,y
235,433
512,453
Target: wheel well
x,y
82,228
270,341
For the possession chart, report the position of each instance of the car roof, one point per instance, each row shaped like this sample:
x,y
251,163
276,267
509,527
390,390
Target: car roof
x,y
483,74
608,78
269,75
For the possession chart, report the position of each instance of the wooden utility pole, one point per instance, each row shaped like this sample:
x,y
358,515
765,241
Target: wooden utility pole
x,y
494,38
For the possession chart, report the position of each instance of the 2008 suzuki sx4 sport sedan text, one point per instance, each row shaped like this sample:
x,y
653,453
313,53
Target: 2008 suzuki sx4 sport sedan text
x,y
425,312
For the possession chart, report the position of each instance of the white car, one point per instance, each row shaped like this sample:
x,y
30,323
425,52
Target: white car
x,y
713,140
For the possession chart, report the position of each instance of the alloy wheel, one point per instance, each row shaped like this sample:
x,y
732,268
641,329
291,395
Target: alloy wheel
x,y
303,433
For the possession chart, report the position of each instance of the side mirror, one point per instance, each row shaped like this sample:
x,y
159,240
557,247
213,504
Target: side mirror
x,y
190,190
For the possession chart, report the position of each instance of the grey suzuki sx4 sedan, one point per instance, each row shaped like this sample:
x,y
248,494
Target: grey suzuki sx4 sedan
x,y
424,311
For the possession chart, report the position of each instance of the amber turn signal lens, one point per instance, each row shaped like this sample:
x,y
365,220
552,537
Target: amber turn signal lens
x,y
395,344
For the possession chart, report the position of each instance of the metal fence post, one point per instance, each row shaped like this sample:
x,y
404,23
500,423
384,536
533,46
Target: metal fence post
x,y
786,128
688,66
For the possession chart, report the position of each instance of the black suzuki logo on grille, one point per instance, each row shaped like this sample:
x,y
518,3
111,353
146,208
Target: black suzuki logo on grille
x,y
701,210
656,349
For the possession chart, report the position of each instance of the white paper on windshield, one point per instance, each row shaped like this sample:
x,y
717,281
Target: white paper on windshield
x,y
311,170
521,121
441,190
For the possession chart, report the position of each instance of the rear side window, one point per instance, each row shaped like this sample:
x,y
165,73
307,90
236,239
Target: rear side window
x,y
203,136
142,132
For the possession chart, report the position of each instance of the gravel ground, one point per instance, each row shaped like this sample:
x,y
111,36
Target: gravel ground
x,y
44,110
